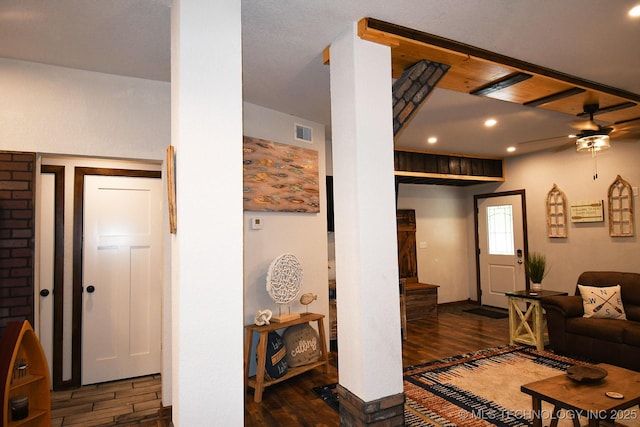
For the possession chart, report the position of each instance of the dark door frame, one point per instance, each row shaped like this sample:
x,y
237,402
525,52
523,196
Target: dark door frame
x,y
57,292
525,237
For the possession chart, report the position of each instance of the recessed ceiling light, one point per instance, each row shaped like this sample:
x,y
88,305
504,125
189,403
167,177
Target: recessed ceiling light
x,y
432,140
511,149
634,12
490,122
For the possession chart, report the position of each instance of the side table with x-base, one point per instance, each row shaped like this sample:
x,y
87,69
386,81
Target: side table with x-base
x,y
528,326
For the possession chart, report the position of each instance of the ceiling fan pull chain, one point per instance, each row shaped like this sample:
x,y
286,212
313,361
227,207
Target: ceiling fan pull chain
x,y
595,164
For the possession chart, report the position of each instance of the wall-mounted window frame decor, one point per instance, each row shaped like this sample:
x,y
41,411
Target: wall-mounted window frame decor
x,y
620,208
556,212
587,211
279,177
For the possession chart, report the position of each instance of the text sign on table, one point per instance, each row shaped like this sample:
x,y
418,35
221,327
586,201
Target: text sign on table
x,y
592,211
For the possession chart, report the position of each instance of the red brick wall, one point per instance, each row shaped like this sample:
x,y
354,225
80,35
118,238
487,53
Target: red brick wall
x,y
17,190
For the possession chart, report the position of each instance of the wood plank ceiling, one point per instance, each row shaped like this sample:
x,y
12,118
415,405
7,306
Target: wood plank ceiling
x,y
484,73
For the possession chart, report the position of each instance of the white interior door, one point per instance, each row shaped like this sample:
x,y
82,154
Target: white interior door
x,y
46,263
121,278
501,245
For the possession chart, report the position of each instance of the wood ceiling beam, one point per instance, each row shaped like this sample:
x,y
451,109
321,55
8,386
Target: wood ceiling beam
x,y
501,84
554,97
404,40
609,109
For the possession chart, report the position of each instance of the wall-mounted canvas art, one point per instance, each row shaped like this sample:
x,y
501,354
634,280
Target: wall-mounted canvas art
x,y
278,177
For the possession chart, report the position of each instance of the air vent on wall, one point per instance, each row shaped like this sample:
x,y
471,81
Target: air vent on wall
x,y
303,133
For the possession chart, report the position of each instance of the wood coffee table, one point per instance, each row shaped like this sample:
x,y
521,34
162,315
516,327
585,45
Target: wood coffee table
x,y
587,399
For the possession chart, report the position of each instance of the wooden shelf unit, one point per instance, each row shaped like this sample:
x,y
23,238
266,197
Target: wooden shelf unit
x,y
19,341
258,382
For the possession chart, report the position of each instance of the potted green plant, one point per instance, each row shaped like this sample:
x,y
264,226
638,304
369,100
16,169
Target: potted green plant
x,y
535,267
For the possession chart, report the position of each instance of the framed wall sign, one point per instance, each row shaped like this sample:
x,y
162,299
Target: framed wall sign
x,y
588,211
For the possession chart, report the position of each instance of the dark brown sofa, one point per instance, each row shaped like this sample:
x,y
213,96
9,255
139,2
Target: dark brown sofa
x,y
616,342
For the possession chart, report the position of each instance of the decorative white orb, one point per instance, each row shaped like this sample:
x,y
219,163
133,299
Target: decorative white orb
x,y
284,278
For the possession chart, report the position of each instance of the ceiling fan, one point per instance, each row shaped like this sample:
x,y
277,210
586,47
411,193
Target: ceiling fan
x,y
592,136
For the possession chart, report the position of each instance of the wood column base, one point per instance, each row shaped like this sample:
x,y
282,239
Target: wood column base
x,y
385,412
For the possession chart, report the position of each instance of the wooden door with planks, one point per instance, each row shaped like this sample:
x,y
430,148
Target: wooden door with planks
x,y
407,259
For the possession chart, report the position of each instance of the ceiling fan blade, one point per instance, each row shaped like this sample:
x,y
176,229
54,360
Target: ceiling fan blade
x,y
566,146
628,131
555,143
544,140
585,125
631,135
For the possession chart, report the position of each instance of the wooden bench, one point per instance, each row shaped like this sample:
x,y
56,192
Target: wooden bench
x,y
422,300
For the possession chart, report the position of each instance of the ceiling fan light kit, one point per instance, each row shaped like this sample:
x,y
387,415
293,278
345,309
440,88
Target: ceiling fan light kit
x,y
592,140
597,142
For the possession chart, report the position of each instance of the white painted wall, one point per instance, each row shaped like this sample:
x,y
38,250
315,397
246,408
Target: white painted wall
x,y
62,112
444,217
59,110
588,246
302,234
441,223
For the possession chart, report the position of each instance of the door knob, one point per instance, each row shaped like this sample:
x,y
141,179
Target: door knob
x,y
44,293
91,289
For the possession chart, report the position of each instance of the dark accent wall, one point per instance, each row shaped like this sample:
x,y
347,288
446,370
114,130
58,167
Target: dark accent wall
x,y
446,169
17,191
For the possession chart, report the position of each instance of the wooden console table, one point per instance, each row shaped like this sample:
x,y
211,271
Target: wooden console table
x,y
259,382
528,326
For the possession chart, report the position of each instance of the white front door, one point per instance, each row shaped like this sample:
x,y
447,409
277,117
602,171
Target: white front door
x,y
501,248
122,289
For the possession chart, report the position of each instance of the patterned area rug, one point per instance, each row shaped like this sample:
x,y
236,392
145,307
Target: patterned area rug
x,y
480,389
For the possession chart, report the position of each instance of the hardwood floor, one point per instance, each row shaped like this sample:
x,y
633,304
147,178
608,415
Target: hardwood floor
x,y
292,403
132,402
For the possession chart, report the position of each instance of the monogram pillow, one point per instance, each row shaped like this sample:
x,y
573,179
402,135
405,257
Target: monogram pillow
x,y
603,303
276,363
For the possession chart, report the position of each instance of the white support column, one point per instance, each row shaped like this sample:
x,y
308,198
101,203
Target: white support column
x,y
207,285
369,336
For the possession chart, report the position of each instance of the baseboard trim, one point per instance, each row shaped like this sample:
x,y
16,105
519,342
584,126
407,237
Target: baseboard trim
x,y
455,303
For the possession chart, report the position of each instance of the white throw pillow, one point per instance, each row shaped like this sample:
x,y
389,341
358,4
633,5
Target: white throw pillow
x,y
603,303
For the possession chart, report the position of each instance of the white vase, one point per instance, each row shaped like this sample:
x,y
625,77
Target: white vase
x,y
536,286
